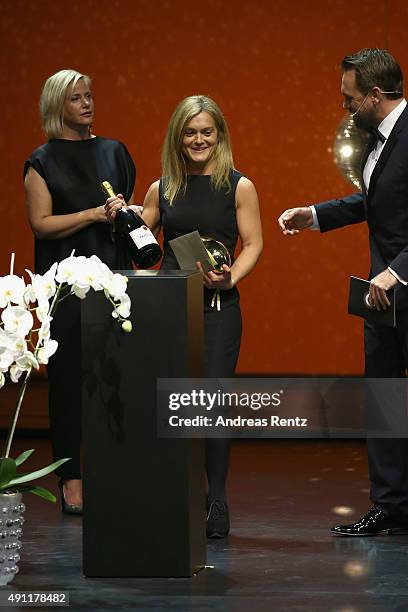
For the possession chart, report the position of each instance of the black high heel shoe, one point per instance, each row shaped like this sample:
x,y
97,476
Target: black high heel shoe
x,y
67,508
218,522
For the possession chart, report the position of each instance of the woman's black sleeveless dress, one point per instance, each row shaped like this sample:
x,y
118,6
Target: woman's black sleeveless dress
x,y
213,213
73,171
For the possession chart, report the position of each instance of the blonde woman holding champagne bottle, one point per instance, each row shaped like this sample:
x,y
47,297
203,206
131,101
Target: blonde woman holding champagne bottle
x,y
65,207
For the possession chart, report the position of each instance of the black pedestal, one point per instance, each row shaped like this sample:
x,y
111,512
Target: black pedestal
x,y
144,506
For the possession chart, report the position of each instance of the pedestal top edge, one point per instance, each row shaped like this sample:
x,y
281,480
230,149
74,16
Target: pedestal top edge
x,y
158,273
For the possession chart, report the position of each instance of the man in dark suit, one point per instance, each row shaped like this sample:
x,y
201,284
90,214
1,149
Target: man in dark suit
x,y
372,86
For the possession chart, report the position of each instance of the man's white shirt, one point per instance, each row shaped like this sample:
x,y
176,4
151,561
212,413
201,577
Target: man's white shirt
x,y
386,126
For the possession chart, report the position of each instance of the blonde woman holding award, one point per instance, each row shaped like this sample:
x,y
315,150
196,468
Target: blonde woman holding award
x,y
201,190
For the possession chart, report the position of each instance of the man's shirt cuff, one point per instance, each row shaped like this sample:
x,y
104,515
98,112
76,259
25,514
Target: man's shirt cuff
x,y
401,280
315,225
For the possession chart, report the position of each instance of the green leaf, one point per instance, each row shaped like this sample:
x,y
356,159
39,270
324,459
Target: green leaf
x,y
38,473
44,493
8,470
40,491
21,458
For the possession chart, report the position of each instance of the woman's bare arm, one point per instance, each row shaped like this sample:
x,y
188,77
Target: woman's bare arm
x,y
39,207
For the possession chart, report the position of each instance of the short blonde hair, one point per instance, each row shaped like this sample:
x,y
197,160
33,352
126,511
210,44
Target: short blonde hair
x,y
173,161
53,97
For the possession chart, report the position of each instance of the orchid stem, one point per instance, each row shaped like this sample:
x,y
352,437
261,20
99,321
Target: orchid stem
x,y
20,398
120,318
23,387
64,297
55,300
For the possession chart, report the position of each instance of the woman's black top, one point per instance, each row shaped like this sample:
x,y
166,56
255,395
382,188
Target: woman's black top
x,y
73,171
212,212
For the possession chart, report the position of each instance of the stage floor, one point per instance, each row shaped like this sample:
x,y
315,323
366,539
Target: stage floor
x,y
280,555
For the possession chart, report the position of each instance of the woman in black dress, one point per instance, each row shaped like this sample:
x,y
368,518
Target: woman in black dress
x,y
200,190
66,212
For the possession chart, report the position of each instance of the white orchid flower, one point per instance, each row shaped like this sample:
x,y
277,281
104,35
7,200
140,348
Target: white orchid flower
x,y
4,339
117,286
29,295
69,268
6,359
80,291
89,276
12,290
104,273
81,274
12,343
27,361
45,329
11,347
42,310
47,351
15,373
17,319
43,287
123,308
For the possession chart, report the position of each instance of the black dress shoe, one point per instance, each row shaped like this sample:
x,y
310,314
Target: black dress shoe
x,y
373,523
67,508
218,523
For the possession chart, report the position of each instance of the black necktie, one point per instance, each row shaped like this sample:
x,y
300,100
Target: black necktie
x,y
378,136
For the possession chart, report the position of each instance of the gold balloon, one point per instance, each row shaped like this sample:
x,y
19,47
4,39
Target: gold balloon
x,y
348,149
217,253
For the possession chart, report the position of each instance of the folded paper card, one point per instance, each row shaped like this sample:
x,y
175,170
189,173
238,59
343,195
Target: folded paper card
x,y
189,249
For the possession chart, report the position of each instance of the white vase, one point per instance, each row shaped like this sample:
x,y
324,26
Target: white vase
x,y
11,522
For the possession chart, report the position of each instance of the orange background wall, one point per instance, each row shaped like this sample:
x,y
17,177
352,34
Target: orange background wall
x,y
272,65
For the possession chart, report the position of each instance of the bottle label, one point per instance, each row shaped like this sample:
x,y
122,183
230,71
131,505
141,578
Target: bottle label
x,y
142,236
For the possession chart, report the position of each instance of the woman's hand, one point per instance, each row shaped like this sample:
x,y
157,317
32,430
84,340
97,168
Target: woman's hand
x,y
112,206
99,214
137,209
217,281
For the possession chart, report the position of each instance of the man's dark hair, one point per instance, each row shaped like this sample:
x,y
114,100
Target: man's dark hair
x,y
376,67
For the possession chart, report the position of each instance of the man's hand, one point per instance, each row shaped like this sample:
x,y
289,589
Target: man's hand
x,y
295,219
378,286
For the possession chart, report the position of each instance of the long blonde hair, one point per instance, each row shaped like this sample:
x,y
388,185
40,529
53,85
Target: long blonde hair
x,y
173,160
53,97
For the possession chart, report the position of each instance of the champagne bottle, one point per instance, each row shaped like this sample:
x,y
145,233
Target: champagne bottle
x,y
140,243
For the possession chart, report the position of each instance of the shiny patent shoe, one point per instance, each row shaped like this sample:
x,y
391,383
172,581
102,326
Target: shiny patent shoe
x,y
218,523
373,523
67,508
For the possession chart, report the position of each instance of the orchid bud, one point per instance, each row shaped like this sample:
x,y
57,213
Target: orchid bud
x,y
127,326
